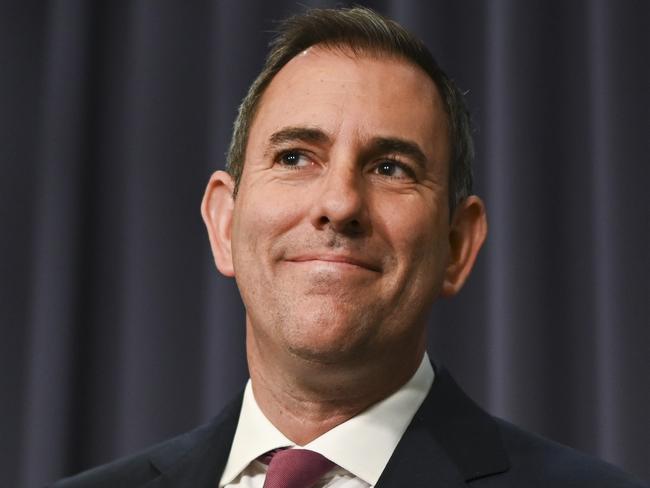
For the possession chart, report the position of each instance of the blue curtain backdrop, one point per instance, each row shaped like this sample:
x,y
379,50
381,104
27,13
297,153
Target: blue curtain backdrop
x,y
117,331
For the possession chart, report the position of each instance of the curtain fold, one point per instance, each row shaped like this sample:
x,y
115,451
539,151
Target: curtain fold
x,y
55,308
117,329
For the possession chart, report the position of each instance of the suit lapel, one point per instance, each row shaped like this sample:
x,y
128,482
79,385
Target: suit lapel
x,y
197,459
418,461
449,441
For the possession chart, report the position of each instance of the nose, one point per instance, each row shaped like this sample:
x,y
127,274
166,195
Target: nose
x,y
340,202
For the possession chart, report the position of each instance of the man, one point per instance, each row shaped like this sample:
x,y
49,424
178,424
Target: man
x,y
345,213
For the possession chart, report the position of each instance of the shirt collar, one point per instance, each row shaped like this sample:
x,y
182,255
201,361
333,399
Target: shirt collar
x,y
362,445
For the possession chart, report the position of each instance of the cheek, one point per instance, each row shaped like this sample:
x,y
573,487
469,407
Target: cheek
x,y
259,224
420,240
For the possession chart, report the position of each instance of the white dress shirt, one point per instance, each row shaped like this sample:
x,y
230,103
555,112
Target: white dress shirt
x,y
360,446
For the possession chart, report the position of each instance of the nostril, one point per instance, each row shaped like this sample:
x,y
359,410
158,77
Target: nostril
x,y
351,227
355,226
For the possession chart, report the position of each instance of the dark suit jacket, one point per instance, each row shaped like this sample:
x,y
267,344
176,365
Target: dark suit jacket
x,y
450,442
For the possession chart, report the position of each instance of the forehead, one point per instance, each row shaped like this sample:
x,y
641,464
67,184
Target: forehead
x,y
352,95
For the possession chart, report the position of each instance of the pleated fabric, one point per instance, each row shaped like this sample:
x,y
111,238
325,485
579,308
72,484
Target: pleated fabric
x,y
118,331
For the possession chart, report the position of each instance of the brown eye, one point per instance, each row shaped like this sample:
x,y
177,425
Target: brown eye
x,y
294,159
393,169
387,168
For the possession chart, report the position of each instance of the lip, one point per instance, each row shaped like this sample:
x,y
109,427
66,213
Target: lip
x,y
337,258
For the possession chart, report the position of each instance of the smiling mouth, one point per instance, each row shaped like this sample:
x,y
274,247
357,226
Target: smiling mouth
x,y
344,261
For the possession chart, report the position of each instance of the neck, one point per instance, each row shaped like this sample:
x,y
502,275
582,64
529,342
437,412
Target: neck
x,y
305,398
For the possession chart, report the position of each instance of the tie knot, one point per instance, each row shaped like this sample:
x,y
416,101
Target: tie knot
x,y
296,468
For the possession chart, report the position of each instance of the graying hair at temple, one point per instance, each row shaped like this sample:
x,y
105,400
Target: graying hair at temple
x,y
363,31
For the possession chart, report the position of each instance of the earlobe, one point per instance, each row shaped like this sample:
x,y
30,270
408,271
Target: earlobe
x,y
467,234
217,212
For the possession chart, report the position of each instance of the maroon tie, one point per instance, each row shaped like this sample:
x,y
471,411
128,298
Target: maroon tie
x,y
295,468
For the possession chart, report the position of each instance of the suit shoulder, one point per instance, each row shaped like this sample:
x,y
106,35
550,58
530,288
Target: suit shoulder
x,y
203,444
552,464
126,472
137,469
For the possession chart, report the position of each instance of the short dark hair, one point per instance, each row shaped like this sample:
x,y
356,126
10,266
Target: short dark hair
x,y
363,31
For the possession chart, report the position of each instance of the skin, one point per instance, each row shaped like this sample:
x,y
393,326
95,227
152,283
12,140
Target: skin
x,y
340,237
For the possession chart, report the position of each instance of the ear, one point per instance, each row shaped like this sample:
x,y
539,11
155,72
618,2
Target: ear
x,y
217,211
466,236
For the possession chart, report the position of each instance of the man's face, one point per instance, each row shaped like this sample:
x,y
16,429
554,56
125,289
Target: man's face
x,y
340,229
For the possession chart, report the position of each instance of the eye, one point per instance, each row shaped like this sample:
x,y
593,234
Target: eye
x,y
393,169
294,159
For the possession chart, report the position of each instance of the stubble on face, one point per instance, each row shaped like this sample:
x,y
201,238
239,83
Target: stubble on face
x,y
321,315
323,312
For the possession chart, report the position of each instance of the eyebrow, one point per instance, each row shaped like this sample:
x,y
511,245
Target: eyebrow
x,y
410,149
309,135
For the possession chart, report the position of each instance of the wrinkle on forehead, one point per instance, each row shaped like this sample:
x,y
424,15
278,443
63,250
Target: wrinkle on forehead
x,y
358,53
306,70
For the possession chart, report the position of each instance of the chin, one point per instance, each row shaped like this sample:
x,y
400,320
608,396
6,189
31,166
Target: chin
x,y
329,355
328,339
